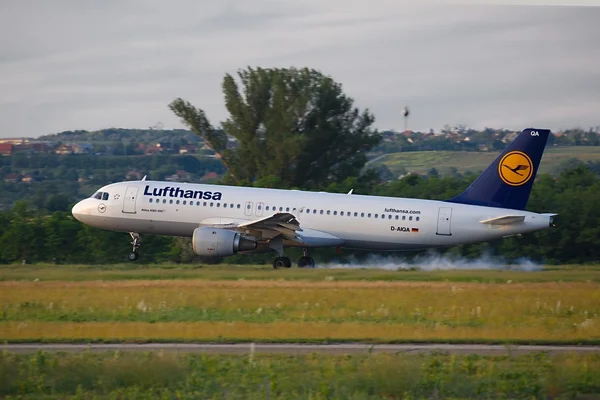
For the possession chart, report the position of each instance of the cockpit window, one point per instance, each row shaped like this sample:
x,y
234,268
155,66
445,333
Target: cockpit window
x,y
100,196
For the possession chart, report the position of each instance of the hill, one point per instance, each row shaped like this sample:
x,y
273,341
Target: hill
x,y
466,161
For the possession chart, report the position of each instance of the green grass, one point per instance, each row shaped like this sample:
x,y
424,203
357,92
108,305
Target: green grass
x,y
300,310
190,376
132,271
423,161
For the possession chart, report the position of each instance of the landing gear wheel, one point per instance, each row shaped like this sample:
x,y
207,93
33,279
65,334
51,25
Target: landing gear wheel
x,y
306,262
137,240
282,262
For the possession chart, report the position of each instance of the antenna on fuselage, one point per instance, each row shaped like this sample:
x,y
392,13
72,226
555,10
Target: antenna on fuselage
x,y
144,178
350,192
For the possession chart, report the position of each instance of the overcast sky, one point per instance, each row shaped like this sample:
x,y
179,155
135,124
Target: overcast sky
x,y
77,64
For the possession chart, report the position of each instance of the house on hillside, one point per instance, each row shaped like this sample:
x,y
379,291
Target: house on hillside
x,y
133,175
179,176
63,149
209,176
6,149
82,148
14,141
28,178
152,150
41,148
12,177
188,149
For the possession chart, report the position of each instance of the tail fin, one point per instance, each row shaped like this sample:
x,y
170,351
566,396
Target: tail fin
x,y
507,182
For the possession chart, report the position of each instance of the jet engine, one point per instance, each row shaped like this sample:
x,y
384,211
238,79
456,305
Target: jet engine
x,y
217,242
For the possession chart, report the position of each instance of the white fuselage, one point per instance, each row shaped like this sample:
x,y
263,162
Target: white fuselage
x,y
326,219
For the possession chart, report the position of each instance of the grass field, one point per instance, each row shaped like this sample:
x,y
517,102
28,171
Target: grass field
x,y
463,161
130,271
376,376
261,304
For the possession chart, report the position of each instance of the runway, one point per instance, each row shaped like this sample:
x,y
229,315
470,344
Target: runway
x,y
294,348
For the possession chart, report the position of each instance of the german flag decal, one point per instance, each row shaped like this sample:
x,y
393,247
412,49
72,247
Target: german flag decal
x,y
415,230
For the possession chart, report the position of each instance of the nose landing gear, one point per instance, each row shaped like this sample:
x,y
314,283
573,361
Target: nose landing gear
x,y
136,242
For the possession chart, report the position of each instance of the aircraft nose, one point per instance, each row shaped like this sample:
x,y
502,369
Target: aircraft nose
x,y
77,210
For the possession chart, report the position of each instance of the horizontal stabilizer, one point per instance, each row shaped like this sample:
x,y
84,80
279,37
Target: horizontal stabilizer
x,y
505,220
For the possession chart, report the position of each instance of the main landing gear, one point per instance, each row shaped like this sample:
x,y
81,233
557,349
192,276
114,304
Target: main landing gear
x,y
303,262
136,242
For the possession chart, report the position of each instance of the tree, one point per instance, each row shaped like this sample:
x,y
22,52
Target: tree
x,y
293,125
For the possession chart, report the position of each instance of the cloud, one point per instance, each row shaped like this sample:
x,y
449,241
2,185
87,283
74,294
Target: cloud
x,y
86,65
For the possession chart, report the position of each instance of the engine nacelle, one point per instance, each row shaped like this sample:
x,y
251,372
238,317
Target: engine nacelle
x,y
217,242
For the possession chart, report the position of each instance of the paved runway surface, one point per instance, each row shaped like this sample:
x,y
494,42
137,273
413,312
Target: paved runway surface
x,y
292,348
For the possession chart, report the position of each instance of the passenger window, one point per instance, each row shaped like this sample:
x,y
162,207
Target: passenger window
x,y
362,215
267,208
382,216
212,204
218,204
287,209
356,214
376,215
417,218
314,211
389,217
369,215
308,211
341,213
396,217
239,206
410,218
164,201
328,212
170,201
259,207
348,213
150,200
184,202
321,212
403,217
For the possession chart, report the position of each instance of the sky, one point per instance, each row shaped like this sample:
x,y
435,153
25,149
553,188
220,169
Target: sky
x,y
83,64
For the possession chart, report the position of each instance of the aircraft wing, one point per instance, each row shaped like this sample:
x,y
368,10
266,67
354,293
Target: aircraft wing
x,y
504,220
284,224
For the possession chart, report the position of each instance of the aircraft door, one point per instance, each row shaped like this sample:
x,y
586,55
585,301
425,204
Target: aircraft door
x,y
248,208
259,209
444,221
129,200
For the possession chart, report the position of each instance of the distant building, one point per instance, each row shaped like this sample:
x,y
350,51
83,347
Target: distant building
x,y
189,149
63,149
12,177
14,140
133,175
81,148
6,149
28,179
209,176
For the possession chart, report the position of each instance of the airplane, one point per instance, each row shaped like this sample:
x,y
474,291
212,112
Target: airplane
x,y
224,220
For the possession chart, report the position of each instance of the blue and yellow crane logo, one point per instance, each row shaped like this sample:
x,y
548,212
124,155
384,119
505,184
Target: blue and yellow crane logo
x,y
515,168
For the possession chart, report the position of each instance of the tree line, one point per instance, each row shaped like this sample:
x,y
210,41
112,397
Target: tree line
x,y
35,235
